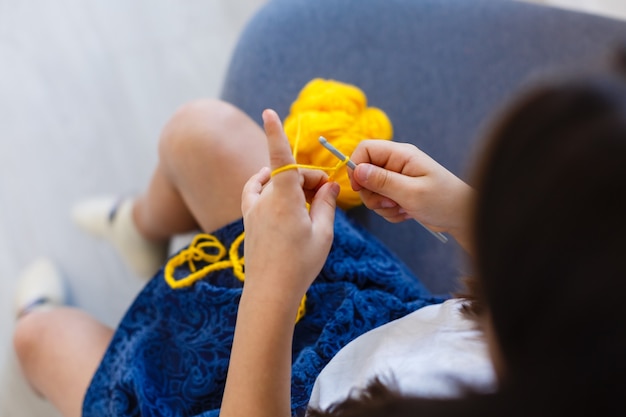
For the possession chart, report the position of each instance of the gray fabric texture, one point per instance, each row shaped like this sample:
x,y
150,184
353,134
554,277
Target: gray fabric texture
x,y
441,70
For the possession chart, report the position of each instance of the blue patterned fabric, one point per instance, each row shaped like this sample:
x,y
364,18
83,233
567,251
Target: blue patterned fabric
x,y
169,355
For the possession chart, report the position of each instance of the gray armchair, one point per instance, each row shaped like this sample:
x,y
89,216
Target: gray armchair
x,y
441,69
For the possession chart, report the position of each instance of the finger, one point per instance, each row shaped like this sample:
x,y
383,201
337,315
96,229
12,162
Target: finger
x,y
253,187
391,155
353,183
278,146
362,152
393,215
398,218
312,179
382,181
323,210
375,152
374,201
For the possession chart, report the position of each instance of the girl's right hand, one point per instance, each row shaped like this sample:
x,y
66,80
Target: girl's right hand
x,y
398,182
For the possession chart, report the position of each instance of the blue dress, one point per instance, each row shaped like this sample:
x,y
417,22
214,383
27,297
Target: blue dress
x,y
169,355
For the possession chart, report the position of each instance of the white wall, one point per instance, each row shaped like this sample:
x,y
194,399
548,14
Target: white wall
x,y
610,8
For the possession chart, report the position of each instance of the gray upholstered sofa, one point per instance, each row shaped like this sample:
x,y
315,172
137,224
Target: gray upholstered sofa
x,y
441,69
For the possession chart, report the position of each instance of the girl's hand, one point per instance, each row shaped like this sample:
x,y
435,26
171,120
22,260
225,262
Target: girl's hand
x,y
285,248
286,245
399,182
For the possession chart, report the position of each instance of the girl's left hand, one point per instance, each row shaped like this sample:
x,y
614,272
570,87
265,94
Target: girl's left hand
x,y
286,245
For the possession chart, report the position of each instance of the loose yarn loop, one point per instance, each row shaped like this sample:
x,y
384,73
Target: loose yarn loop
x,y
328,108
207,248
339,112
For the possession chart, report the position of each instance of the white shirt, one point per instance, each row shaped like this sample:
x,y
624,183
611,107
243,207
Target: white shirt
x,y
424,353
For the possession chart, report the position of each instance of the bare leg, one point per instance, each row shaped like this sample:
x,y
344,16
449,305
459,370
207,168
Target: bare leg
x,y
207,152
59,351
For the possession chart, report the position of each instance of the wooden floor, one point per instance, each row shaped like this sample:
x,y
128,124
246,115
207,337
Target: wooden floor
x,y
85,87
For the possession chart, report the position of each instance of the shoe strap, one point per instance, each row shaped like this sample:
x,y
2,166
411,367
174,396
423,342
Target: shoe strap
x,y
33,305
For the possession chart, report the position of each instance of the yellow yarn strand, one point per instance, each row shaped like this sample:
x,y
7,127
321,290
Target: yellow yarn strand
x,y
197,252
326,108
297,140
330,170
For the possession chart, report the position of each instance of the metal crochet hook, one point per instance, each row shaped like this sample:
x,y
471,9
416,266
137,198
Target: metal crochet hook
x,y
440,236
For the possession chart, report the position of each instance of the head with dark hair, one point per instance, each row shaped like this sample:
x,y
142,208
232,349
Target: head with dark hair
x,y
549,233
550,255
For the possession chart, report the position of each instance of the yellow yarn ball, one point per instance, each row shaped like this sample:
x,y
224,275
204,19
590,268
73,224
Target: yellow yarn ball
x,y
339,112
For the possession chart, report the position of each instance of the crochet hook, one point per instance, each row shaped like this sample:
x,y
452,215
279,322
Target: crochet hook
x,y
336,152
440,236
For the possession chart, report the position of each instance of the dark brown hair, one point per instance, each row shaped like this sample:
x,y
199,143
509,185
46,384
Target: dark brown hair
x,y
550,228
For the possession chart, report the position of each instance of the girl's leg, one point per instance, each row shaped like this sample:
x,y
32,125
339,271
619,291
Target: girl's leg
x,y
207,152
59,351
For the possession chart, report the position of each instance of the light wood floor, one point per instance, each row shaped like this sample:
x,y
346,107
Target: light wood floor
x,y
85,87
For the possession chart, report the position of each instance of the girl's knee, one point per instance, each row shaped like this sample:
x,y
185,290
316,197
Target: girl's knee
x,y
198,126
29,335
59,350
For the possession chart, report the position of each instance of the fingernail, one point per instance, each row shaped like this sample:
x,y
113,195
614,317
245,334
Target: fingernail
x,y
334,188
267,113
387,204
363,172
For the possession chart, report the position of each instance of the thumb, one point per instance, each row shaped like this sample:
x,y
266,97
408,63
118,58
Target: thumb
x,y
323,206
381,181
